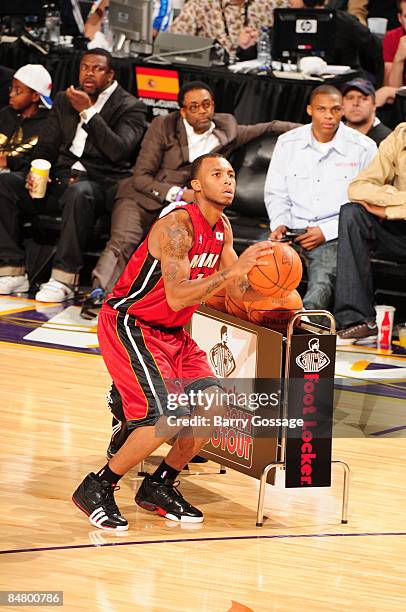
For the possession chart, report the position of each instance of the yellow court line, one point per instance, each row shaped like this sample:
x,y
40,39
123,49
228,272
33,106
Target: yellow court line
x,y
49,349
49,324
13,311
21,299
365,349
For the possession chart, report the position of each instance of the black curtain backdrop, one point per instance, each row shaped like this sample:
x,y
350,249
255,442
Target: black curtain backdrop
x,y
250,98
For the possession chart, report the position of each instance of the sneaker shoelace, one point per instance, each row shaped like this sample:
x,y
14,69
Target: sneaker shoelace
x,y
107,494
172,488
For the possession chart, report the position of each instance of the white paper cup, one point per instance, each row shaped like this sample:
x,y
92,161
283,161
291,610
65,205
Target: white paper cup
x,y
40,173
378,25
384,321
401,329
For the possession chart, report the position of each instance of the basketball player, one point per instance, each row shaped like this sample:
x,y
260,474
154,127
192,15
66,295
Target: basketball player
x,y
187,256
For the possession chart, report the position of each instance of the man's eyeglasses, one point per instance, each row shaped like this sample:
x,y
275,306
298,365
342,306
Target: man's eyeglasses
x,y
195,106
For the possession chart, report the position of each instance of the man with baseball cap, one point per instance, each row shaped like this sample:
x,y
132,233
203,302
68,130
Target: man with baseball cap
x,y
23,121
359,110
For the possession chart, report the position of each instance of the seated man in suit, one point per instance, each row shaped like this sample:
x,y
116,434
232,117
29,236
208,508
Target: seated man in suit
x,y
90,137
162,173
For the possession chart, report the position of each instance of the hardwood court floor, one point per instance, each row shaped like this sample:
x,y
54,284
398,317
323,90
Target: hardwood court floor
x,y
55,429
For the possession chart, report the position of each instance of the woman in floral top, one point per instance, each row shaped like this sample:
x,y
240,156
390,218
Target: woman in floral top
x,y
235,24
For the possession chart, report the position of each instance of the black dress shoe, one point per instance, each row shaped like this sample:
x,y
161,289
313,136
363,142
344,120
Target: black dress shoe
x,y
92,304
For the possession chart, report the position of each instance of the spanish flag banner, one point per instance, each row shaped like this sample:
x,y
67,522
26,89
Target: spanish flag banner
x,y
157,83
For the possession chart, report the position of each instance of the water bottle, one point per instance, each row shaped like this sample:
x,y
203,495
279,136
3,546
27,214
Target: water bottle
x,y
264,48
52,23
106,30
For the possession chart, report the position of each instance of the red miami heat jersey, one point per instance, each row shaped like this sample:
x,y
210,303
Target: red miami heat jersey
x,y
140,290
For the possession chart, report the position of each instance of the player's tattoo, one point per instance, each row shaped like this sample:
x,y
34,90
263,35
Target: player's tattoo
x,y
171,271
243,284
178,241
215,282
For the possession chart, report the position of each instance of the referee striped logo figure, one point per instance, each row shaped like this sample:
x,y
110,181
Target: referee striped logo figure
x,y
221,356
313,360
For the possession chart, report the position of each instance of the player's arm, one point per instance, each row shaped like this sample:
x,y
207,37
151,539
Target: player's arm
x,y
240,287
170,241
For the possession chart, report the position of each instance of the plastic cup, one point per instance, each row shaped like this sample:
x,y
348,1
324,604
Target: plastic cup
x,y
401,329
378,25
40,173
384,321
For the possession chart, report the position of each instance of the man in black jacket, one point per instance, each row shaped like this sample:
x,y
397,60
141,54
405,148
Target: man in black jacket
x,y
91,138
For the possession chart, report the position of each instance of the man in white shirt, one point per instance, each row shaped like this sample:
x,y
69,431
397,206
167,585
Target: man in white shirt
x,y
90,139
307,183
161,174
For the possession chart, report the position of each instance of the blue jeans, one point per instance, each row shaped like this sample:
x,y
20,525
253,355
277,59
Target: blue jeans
x,y
321,264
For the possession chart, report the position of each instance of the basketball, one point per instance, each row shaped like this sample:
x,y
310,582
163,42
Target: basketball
x,y
275,312
281,275
236,307
217,300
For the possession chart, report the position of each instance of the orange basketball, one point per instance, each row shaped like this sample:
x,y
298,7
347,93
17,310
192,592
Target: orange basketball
x,y
236,308
217,300
274,312
281,275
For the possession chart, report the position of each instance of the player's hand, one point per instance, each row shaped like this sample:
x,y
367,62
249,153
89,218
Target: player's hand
x,y
3,160
79,100
278,233
228,232
400,54
313,238
248,37
249,258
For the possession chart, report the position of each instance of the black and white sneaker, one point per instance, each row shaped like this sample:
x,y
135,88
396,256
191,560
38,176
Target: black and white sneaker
x,y
164,498
96,500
